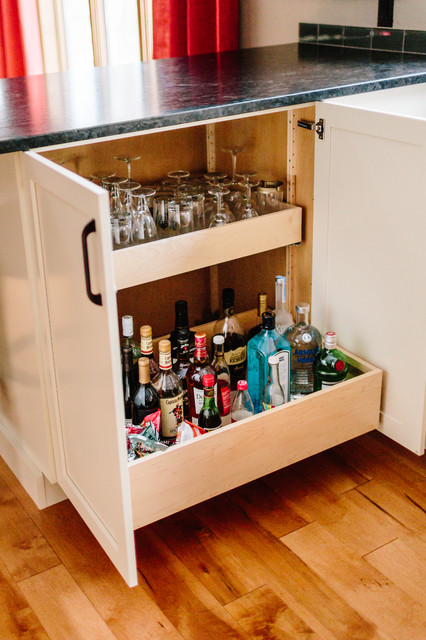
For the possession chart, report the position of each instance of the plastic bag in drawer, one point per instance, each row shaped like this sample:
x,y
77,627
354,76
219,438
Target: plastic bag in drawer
x,y
188,431
145,439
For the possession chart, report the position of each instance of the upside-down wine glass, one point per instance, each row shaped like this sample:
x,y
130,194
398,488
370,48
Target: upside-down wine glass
x,y
235,193
144,228
246,207
222,214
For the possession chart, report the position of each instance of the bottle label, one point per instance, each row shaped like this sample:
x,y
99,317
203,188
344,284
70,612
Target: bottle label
x,y
305,356
146,345
225,394
165,360
171,415
325,385
236,356
284,372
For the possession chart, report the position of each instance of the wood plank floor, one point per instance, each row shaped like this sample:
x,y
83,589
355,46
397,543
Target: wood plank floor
x,y
331,548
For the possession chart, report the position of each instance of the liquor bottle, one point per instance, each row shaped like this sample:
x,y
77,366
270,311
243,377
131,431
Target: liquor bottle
x,y
283,318
145,399
242,407
229,326
128,378
181,366
147,350
127,325
223,376
209,418
266,343
305,341
169,388
330,364
182,324
194,377
261,307
273,395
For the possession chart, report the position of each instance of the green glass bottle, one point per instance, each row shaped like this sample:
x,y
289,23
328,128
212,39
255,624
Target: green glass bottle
x,y
209,418
330,364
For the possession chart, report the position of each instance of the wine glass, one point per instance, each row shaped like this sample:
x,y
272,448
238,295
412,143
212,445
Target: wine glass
x,y
144,228
246,207
110,183
123,192
128,160
178,175
235,193
222,214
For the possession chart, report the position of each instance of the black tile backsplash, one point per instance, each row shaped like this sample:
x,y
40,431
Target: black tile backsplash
x,y
372,38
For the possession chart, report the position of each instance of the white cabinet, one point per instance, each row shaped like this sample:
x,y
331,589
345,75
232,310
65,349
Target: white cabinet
x,y
81,337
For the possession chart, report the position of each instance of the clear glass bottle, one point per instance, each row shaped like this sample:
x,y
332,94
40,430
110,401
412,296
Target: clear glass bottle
x,y
194,377
147,350
128,379
305,341
182,365
330,364
209,418
283,318
169,388
264,344
145,399
182,324
223,376
262,302
235,350
127,326
242,407
273,395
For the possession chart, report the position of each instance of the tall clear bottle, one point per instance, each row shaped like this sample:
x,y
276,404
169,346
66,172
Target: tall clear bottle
x,y
305,341
194,377
127,327
264,344
182,325
223,376
273,395
147,350
169,388
145,399
235,350
283,318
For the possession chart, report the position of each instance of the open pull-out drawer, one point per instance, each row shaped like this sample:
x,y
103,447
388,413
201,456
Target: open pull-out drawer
x,y
166,482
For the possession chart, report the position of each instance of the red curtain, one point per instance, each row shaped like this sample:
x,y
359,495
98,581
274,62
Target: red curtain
x,y
187,27
20,44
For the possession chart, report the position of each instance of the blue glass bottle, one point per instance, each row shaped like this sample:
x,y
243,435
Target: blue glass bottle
x,y
259,348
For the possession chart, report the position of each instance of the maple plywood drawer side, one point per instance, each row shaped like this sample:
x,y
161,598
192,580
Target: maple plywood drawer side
x,y
164,483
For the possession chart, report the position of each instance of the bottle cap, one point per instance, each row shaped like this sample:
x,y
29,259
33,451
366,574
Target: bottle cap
x,y
262,297
164,346
181,306
146,331
228,297
303,307
273,359
218,339
208,380
330,340
143,366
279,278
200,340
268,320
242,385
127,324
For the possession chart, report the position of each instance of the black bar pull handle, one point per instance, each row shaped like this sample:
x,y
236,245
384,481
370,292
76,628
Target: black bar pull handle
x,y
96,298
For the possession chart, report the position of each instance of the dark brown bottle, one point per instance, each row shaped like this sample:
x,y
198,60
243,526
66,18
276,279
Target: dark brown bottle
x,y
129,381
194,377
182,325
182,365
145,399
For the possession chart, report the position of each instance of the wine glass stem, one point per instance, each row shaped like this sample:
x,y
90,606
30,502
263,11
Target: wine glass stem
x,y
234,166
219,201
128,170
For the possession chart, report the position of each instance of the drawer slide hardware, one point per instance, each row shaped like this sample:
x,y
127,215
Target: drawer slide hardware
x,y
318,127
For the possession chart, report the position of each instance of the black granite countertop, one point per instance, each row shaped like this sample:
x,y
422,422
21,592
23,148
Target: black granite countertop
x,y
57,108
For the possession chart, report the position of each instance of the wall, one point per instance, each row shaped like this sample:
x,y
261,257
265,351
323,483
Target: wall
x,y
265,22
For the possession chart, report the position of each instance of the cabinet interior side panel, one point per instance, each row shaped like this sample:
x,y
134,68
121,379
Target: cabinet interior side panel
x,y
265,140
160,153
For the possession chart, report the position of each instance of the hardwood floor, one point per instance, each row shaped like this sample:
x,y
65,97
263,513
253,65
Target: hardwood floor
x,y
331,548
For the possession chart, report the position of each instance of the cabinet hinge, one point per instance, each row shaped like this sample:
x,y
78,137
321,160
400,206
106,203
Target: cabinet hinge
x,y
318,127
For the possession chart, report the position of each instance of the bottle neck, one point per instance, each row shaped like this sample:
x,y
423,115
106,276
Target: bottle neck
x,y
200,355
228,310
181,321
183,352
218,353
274,374
144,377
209,398
261,308
146,346
280,294
165,360
302,317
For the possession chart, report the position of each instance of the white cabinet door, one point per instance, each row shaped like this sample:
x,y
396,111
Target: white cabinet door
x,y
369,261
71,219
